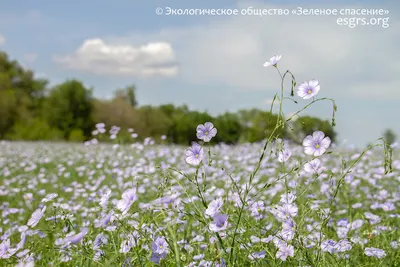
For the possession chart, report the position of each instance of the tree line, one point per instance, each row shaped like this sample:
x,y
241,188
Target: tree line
x,y
32,110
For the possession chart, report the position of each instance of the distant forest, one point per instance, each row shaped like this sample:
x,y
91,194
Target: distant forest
x,y
31,110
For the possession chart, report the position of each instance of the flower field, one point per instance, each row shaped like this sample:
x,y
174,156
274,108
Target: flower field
x,y
104,205
270,203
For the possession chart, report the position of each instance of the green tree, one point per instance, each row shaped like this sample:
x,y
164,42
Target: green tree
x,y
69,106
258,125
151,121
306,125
229,128
21,94
127,94
34,130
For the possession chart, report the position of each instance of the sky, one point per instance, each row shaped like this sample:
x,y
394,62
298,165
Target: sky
x,y
215,63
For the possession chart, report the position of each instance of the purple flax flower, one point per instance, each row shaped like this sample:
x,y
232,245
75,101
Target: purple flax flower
x,y
160,249
75,239
206,132
21,243
372,218
214,207
5,250
375,252
284,155
285,251
103,222
126,246
26,263
288,230
312,166
257,255
286,234
273,61
329,246
222,264
220,222
194,154
316,144
388,206
155,257
99,241
49,197
128,197
306,90
343,246
36,216
288,198
104,199
342,231
289,224
285,211
257,209
198,257
160,246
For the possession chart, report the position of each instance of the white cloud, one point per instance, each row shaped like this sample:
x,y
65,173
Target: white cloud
x,y
98,57
230,50
2,39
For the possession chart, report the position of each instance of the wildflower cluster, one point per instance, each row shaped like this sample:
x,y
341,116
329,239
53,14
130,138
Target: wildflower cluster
x,y
141,205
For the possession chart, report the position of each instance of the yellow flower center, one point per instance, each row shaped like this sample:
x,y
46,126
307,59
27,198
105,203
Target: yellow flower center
x,y
207,133
197,155
161,246
309,91
317,146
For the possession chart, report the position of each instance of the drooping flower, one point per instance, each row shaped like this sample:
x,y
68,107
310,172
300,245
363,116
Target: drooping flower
x,y
316,144
220,222
75,239
273,61
194,154
307,90
312,166
36,216
214,207
206,132
100,240
103,222
128,197
49,197
104,199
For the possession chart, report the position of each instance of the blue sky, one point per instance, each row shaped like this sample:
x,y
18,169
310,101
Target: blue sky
x,y
214,63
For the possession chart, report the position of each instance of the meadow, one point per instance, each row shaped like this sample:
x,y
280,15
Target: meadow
x,y
270,203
